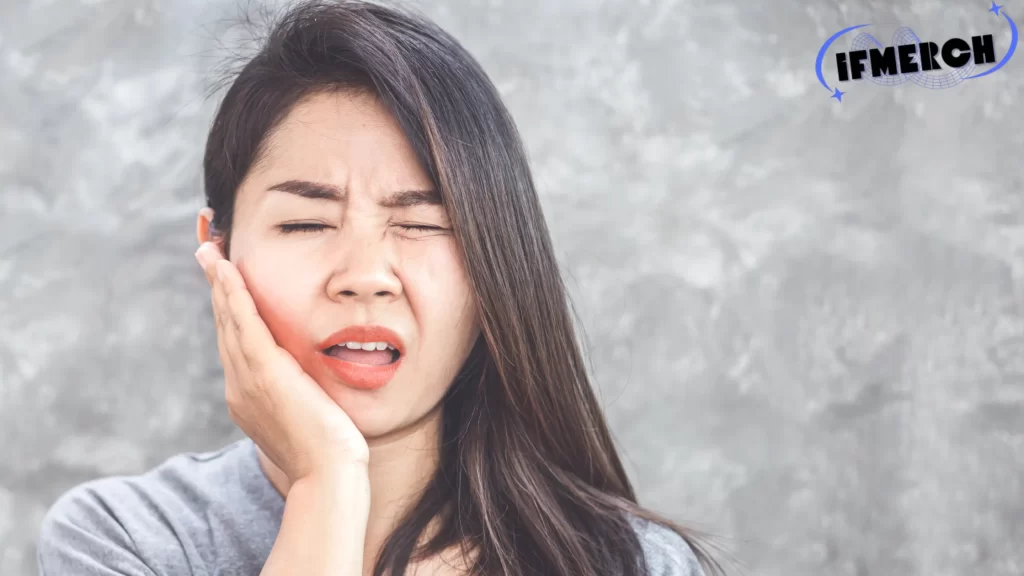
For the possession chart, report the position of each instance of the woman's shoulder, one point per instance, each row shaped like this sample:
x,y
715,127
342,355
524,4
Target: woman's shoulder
x,y
667,553
127,522
186,480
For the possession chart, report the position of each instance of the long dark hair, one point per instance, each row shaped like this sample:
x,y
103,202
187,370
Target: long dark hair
x,y
530,480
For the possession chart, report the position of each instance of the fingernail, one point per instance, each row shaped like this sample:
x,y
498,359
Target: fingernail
x,y
200,254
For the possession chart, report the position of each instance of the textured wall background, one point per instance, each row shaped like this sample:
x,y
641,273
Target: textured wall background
x,y
805,316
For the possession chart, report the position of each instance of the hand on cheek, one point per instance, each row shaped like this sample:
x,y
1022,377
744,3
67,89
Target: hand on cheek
x,y
268,394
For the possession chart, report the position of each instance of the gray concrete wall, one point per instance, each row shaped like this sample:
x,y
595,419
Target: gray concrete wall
x,y
804,316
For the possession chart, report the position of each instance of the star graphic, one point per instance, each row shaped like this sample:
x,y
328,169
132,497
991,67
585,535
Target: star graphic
x,y
995,9
838,95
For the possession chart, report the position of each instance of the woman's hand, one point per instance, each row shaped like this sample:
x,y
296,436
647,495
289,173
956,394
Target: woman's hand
x,y
309,437
269,396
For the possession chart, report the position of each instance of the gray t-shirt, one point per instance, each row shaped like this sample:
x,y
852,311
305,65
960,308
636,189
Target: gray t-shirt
x,y
212,513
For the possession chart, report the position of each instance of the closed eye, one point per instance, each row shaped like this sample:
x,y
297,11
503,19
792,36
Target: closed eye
x,y
312,227
421,227
294,227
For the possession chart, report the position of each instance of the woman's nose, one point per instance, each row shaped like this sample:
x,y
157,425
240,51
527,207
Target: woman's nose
x,y
364,270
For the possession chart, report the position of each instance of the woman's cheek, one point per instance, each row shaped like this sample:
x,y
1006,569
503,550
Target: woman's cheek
x,y
286,326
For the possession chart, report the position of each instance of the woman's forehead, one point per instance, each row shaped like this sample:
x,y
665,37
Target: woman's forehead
x,y
346,140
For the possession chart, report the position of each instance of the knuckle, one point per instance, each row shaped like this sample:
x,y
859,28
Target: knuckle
x,y
232,318
260,385
254,359
218,316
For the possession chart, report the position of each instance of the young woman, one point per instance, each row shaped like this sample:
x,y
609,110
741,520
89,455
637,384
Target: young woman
x,y
396,341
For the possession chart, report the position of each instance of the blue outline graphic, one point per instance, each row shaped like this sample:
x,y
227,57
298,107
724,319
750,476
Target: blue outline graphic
x,y
838,94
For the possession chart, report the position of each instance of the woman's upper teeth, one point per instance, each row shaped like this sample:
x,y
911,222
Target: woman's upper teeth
x,y
367,345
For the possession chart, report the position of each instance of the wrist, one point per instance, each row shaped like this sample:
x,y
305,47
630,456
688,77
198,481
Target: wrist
x,y
323,530
349,484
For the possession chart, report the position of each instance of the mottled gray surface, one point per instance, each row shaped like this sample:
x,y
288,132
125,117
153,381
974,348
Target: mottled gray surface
x,y
805,316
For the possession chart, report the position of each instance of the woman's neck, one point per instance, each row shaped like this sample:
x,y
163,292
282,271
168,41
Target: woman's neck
x,y
402,463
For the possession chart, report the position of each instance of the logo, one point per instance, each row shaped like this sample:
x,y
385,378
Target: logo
x,y
909,59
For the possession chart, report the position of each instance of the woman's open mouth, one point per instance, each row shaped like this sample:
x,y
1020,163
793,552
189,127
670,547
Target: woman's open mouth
x,y
365,357
370,353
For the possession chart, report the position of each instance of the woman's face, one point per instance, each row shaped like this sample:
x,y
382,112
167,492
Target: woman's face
x,y
340,227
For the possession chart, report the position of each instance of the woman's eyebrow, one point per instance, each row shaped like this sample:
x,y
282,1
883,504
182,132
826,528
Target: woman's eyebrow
x,y
314,190
406,198
323,191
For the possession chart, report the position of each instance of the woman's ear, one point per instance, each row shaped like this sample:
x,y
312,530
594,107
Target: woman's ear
x,y
205,232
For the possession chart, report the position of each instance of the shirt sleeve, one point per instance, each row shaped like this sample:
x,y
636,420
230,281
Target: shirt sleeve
x,y
667,553
80,535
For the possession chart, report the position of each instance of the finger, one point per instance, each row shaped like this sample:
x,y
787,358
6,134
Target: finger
x,y
256,342
227,333
227,349
242,384
207,255
233,384
225,359
219,303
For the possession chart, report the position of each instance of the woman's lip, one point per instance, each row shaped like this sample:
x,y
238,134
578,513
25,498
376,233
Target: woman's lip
x,y
364,333
363,376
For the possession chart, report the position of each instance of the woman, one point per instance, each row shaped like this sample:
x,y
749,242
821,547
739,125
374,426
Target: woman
x,y
396,341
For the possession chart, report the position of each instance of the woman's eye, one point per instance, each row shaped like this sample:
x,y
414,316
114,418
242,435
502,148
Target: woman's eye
x,y
313,227
302,227
421,228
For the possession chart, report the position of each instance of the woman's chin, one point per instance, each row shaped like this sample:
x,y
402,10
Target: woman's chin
x,y
385,412
382,423
367,410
